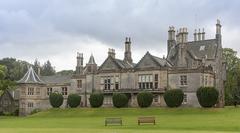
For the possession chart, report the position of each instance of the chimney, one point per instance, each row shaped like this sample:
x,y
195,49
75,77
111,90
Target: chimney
x,y
79,67
128,53
111,52
218,27
199,35
185,35
203,34
171,33
195,35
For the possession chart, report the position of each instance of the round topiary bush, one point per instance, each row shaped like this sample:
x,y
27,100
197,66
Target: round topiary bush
x,y
144,99
96,100
56,100
73,100
207,96
119,100
174,97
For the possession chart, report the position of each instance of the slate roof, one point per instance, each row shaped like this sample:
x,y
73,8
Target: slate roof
x,y
91,60
57,79
124,64
30,78
197,49
203,49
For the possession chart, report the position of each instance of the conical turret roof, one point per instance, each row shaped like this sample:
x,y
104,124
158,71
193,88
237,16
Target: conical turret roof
x,y
91,60
30,78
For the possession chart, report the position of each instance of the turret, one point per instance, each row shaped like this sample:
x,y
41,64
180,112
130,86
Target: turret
x,y
218,32
91,65
128,53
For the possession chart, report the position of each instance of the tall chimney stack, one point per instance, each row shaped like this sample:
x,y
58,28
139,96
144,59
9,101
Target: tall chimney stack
x,y
203,34
199,35
195,35
128,53
111,52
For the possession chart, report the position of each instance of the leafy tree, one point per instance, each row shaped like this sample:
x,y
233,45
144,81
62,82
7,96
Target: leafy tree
x,y
173,97
47,69
119,100
5,83
96,100
233,74
56,100
207,96
144,99
73,100
65,72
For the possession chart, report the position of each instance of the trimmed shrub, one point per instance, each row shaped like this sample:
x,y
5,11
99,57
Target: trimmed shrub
x,y
207,96
96,100
56,100
73,100
119,100
144,99
173,97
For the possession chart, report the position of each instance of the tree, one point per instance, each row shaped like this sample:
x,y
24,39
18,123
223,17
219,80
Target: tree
x,y
233,74
207,96
47,69
73,100
144,99
5,83
96,100
173,97
56,100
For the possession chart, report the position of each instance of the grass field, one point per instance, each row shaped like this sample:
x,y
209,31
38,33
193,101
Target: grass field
x,y
86,120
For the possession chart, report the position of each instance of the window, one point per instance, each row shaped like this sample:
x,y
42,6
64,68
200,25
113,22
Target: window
x,y
155,99
145,82
49,91
107,100
156,81
30,105
206,80
185,99
64,91
183,79
107,82
30,91
117,83
79,83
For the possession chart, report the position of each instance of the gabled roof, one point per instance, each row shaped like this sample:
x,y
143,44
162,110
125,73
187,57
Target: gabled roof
x,y
7,92
121,64
158,61
30,78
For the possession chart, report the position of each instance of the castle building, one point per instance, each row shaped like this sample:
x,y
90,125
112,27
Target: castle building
x,y
188,66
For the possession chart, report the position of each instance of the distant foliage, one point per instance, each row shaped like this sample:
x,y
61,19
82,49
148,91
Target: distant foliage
x,y
207,96
47,69
174,97
119,100
73,100
144,99
96,100
56,100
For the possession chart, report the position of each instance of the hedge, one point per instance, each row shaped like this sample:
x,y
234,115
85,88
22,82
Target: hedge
x,y
119,100
56,100
207,96
174,97
96,100
144,99
73,100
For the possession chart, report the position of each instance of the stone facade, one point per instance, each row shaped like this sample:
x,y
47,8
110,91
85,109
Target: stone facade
x,y
188,66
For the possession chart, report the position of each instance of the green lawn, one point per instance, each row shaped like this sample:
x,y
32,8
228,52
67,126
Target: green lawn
x,y
87,120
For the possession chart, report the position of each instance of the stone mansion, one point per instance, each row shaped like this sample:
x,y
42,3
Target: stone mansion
x,y
188,66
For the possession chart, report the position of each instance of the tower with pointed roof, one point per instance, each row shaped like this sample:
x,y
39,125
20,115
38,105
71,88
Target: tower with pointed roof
x,y
91,66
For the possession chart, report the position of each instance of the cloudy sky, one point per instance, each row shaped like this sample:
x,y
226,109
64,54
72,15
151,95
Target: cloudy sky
x,y
58,29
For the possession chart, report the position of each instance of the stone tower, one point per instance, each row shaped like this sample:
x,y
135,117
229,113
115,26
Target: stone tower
x,y
79,67
128,53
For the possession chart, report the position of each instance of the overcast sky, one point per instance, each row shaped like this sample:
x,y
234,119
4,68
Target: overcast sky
x,y
56,30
